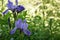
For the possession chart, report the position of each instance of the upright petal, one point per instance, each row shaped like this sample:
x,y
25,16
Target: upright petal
x,y
13,30
10,5
27,32
16,2
24,21
6,11
20,20
24,26
18,23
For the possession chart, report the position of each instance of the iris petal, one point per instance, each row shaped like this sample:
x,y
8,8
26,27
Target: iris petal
x,y
18,23
19,8
24,25
13,31
13,8
10,5
24,21
27,32
5,12
16,2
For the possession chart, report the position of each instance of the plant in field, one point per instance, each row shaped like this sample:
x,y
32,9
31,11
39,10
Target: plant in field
x,y
19,24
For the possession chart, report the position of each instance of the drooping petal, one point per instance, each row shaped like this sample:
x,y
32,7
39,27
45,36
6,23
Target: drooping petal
x,y
13,30
5,12
16,2
19,8
27,32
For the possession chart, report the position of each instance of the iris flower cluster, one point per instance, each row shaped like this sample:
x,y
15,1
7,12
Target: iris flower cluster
x,y
19,24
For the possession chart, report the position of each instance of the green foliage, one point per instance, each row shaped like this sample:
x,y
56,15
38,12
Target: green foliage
x,y
43,22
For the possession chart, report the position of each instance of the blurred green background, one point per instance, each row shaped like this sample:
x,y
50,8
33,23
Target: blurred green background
x,y
43,17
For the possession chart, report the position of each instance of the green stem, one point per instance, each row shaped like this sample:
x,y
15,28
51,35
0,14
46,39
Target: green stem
x,y
9,22
43,20
15,17
50,26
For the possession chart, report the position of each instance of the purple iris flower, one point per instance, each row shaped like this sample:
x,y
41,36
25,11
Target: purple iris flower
x,y
22,25
14,8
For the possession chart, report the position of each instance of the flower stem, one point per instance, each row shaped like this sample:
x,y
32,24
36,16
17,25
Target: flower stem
x,y
15,17
50,26
9,22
